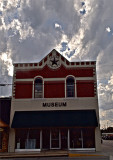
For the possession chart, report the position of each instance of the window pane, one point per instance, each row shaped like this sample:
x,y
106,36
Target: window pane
x,y
38,88
27,139
89,137
75,138
70,87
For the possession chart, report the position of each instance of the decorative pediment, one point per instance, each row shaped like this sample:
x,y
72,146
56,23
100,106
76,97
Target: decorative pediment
x,y
54,60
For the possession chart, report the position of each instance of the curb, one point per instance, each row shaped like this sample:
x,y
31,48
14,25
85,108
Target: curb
x,y
85,155
34,155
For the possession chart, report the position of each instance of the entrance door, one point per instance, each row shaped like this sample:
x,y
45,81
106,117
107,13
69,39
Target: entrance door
x,y
76,138
46,139
64,138
55,138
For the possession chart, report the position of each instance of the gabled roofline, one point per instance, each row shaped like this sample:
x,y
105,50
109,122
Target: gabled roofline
x,y
49,54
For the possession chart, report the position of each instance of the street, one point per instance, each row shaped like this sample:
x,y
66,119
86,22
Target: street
x,y
61,158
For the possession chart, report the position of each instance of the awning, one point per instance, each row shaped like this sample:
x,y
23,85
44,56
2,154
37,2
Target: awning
x,y
60,118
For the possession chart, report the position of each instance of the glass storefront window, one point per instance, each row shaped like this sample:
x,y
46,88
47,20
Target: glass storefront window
x,y
89,137
82,138
64,138
76,138
45,138
27,139
55,138
30,144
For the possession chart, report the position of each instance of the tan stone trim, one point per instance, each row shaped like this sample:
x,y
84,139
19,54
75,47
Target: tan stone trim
x,y
64,63
66,86
54,79
34,86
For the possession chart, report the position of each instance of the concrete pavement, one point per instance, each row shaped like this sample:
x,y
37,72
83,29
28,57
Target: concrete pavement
x,y
107,148
107,151
52,153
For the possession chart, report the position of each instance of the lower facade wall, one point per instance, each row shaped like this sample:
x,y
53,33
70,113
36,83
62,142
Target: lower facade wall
x,y
4,134
98,139
54,138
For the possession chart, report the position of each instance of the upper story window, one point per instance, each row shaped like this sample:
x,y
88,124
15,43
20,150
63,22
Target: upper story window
x,y
38,88
70,87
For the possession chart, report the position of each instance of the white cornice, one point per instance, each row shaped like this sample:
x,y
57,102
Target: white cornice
x,y
46,61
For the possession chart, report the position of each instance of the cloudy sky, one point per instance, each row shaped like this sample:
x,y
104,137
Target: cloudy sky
x,y
78,29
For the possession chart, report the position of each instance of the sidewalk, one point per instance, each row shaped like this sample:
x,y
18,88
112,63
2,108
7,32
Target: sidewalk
x,y
53,153
107,151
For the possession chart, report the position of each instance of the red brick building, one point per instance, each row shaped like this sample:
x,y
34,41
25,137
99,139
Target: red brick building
x,y
5,106
54,105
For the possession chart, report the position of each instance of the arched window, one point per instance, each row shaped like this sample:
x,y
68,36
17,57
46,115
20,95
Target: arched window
x,y
38,88
70,87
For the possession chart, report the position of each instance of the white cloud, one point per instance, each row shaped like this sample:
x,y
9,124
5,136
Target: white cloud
x,y
110,82
5,57
58,26
108,29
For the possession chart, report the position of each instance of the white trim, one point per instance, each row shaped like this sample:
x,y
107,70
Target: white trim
x,y
38,76
59,138
62,63
52,99
82,138
66,86
51,140
27,150
43,88
42,85
33,90
68,139
85,78
40,139
13,87
23,80
54,79
54,52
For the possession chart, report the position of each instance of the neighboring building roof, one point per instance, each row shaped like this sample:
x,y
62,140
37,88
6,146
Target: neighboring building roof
x,y
5,106
2,124
59,118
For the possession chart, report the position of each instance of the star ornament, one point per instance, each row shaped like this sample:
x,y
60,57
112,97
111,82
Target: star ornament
x,y
54,62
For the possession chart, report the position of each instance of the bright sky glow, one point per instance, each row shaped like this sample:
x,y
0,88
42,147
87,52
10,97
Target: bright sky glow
x,y
57,25
7,62
108,29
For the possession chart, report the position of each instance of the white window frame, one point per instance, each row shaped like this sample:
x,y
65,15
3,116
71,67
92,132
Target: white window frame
x,y
33,93
75,91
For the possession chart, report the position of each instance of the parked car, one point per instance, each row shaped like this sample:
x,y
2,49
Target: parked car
x,y
107,136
